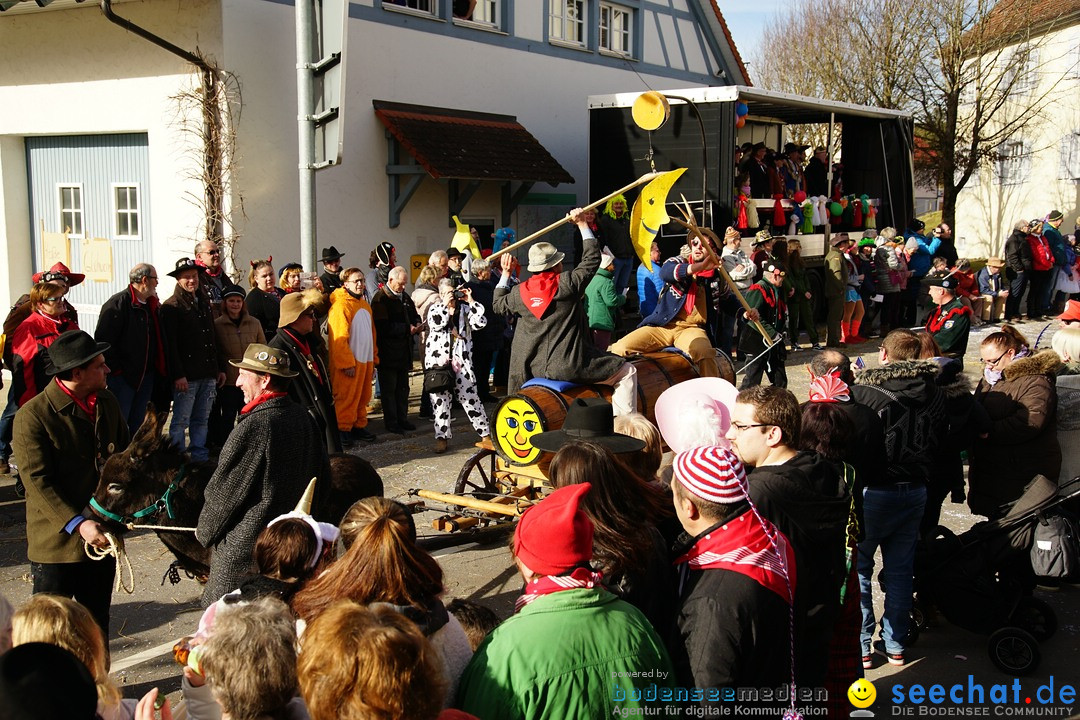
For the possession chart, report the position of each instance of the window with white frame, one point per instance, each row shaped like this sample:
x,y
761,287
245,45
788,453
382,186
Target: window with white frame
x,y
431,7
1069,158
568,21
616,28
1021,75
1013,164
71,210
126,211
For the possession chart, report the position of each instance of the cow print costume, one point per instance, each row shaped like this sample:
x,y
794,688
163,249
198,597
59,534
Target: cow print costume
x,y
449,339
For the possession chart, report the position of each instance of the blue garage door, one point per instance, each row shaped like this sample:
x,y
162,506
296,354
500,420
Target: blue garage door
x,y
92,186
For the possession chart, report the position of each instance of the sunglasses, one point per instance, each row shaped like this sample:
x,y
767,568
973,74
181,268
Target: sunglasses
x,y
53,300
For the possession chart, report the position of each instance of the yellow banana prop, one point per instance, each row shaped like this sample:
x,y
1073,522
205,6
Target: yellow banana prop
x,y
463,239
649,213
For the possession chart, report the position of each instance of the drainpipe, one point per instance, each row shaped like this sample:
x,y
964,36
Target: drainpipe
x,y
211,119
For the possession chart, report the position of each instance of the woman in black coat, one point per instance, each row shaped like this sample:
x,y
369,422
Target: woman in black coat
x,y
263,301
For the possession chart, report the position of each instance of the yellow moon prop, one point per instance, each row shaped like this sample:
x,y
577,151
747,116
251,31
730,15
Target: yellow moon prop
x,y
650,213
650,110
516,421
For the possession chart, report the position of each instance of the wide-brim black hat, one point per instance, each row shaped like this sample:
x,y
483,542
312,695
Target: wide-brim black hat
x,y
331,254
41,681
183,265
588,420
73,349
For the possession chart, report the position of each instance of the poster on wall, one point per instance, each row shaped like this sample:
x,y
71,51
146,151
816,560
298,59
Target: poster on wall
x,y
55,248
97,261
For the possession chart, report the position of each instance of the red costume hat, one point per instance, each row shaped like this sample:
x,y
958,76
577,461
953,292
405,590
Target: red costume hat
x,y
73,278
555,536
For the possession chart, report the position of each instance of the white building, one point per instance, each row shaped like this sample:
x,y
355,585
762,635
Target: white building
x,y
1038,169
96,139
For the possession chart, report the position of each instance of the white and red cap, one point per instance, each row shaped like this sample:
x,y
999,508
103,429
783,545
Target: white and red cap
x,y
714,474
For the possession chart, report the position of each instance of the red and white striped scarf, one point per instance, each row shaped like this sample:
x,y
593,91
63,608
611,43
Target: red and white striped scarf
x,y
751,546
580,578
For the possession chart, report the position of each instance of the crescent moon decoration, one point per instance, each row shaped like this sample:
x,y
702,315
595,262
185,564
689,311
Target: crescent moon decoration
x,y
649,213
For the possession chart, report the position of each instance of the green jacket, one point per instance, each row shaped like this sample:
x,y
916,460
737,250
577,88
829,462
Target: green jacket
x,y
60,452
601,301
560,657
836,275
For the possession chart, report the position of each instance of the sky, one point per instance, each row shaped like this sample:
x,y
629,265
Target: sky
x,y
745,19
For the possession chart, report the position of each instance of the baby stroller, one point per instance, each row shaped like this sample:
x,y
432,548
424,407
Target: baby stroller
x,y
982,580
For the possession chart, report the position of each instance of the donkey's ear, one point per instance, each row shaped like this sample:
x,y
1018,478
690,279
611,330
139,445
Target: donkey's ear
x,y
150,428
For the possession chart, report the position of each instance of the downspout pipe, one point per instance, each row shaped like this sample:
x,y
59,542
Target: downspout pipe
x,y
211,156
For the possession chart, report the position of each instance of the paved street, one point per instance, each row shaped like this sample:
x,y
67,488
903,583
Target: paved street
x,y
147,622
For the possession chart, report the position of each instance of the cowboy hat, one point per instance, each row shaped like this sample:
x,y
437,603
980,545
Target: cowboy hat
x,y
264,359
71,278
544,256
73,349
331,254
589,420
182,266
296,304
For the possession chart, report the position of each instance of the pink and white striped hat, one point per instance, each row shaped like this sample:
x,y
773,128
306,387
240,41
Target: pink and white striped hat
x,y
711,473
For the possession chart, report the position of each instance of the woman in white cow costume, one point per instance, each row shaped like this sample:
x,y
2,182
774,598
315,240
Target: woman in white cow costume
x,y
449,340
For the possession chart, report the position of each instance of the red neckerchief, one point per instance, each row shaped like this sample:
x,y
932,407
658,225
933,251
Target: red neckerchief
x,y
305,349
207,268
152,304
743,545
88,406
937,318
266,396
691,292
580,578
538,291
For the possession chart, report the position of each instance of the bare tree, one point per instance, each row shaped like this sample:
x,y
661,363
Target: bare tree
x,y
968,71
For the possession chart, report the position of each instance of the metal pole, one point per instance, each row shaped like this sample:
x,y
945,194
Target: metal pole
x,y
305,105
704,153
828,182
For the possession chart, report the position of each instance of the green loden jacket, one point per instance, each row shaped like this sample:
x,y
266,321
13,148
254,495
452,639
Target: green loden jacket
x,y
579,654
60,451
601,300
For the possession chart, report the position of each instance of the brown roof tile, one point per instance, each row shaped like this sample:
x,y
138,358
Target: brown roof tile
x,y
460,144
1011,21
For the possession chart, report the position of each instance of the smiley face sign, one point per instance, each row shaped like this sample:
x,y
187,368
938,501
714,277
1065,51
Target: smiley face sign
x,y
862,693
517,419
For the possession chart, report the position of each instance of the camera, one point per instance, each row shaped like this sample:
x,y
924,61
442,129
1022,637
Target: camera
x,y
459,294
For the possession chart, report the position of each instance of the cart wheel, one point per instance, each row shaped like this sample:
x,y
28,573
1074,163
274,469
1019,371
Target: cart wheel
x,y
918,617
1035,616
1014,651
477,475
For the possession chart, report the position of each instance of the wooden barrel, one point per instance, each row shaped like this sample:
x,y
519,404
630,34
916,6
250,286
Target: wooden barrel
x,y
536,409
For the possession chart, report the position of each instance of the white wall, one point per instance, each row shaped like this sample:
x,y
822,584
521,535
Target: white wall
x,y
987,210
386,62
74,72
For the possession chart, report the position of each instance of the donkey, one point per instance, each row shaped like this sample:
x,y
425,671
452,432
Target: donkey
x,y
153,483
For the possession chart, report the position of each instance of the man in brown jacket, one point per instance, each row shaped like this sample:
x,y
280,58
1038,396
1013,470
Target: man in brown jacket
x,y
836,277
62,437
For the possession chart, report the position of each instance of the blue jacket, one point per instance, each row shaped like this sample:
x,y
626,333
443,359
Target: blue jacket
x,y
920,262
649,287
990,285
675,272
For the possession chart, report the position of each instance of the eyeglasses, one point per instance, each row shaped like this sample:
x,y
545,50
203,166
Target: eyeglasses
x,y
53,300
151,277
740,426
996,360
210,252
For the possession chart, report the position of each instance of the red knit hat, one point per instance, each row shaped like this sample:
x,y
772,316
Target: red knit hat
x,y
711,473
555,536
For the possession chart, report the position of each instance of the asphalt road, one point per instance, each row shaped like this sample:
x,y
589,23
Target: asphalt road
x,y
147,622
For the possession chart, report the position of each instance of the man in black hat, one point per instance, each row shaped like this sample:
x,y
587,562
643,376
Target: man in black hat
x,y
454,272
194,368
792,171
212,277
268,460
950,322
759,171
331,261
767,298
817,173
63,436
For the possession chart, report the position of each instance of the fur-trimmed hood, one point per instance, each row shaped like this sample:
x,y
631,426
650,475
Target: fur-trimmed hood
x,y
962,384
903,370
1046,362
